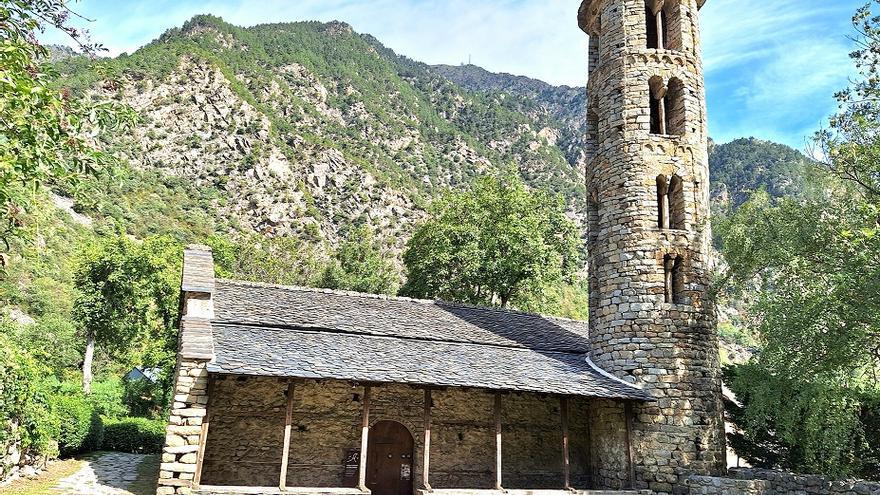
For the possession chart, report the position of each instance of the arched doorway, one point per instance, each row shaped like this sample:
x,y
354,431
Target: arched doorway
x,y
390,459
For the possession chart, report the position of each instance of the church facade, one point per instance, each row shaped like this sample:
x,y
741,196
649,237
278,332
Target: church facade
x,y
293,390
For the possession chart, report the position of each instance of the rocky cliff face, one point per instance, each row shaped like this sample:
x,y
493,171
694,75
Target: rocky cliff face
x,y
304,128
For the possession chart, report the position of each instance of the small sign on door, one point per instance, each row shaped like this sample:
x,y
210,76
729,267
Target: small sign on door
x,y
405,472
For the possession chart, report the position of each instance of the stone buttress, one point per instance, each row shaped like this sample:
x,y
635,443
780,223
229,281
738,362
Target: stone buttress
x,y
652,322
186,426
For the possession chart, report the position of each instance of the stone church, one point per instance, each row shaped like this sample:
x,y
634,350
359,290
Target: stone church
x,y
293,390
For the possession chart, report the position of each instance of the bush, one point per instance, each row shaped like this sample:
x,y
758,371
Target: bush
x,y
107,398
24,399
134,435
81,427
143,398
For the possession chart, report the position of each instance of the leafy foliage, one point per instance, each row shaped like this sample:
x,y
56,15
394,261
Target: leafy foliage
x,y
360,265
24,400
134,435
491,245
128,297
809,398
797,425
81,427
46,136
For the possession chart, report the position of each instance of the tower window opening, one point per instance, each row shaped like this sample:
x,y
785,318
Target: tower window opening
x,y
663,25
670,203
673,279
657,96
662,202
673,103
675,203
651,28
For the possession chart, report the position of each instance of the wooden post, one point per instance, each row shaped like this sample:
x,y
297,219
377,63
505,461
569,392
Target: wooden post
x,y
426,462
285,453
365,435
660,41
628,415
566,461
498,441
203,435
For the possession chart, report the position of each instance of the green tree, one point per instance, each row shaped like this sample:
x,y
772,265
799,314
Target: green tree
x,y
360,265
815,261
275,260
491,245
47,136
127,300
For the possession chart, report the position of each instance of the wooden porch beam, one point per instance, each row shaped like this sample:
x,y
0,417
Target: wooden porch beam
x,y
365,435
628,418
288,420
566,461
426,461
498,441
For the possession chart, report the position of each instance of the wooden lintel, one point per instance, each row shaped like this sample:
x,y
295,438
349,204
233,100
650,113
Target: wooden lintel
x,y
288,421
365,435
426,461
498,441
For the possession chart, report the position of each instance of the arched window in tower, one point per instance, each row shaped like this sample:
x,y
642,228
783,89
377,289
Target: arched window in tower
x,y
651,27
662,202
657,94
670,203
675,203
673,108
673,279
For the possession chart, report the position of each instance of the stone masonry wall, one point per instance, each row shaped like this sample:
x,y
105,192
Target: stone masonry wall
x,y
246,434
245,437
669,349
183,432
608,432
767,482
531,442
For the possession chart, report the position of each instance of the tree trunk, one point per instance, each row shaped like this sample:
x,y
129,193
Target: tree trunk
x,y
87,362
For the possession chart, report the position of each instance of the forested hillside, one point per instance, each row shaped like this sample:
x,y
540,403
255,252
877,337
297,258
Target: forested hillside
x,y
302,128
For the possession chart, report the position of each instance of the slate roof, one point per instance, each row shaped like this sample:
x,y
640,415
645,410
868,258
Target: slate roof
x,y
279,331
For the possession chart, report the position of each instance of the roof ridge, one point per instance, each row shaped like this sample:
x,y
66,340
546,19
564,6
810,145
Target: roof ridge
x,y
387,297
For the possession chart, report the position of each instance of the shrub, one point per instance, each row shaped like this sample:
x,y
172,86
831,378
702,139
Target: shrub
x,y
23,400
107,398
142,398
81,425
134,435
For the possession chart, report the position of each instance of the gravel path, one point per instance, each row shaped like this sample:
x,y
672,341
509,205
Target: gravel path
x,y
108,473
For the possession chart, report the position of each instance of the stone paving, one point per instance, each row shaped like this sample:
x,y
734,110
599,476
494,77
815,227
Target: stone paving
x,y
108,473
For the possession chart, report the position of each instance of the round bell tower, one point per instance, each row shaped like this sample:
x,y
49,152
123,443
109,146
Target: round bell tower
x,y
652,322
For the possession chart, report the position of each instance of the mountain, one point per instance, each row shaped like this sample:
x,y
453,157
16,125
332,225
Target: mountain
x,y
745,165
564,104
300,129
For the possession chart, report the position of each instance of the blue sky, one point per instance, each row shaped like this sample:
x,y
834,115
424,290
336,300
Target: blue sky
x,y
772,66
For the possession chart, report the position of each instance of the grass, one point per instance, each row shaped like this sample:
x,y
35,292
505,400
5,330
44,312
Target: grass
x,y
44,484
145,484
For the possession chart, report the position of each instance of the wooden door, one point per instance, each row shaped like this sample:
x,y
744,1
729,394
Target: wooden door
x,y
390,459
